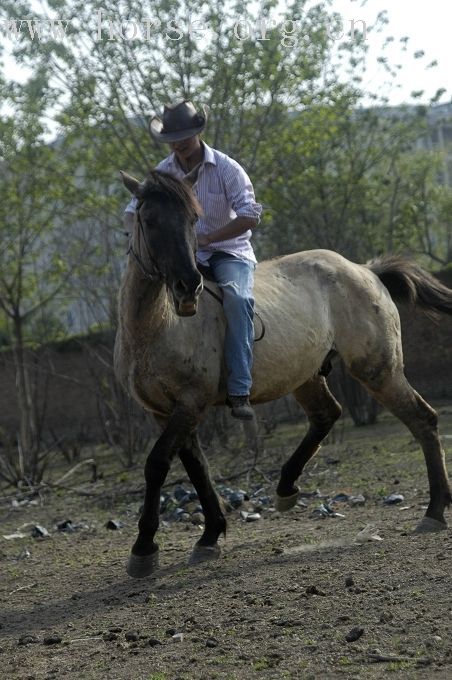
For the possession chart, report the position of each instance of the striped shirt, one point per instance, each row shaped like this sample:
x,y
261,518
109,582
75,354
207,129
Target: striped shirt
x,y
224,191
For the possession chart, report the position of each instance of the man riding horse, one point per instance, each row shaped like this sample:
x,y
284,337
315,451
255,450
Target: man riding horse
x,y
230,212
170,340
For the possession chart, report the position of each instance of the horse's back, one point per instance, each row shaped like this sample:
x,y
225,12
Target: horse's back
x,y
315,300
318,286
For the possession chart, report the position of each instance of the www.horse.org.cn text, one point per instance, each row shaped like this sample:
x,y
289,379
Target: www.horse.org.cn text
x,y
117,29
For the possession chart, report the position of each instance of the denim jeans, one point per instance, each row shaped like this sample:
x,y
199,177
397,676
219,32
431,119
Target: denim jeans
x,y
236,277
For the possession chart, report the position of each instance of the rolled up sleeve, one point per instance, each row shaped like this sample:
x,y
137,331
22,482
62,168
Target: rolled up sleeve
x,y
239,191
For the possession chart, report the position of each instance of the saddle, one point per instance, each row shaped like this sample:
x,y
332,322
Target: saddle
x,y
207,275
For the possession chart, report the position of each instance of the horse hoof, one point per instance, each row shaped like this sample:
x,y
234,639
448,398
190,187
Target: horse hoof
x,y
141,566
284,503
429,525
204,553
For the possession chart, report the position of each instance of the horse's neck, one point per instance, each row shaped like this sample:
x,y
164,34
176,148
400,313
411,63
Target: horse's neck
x,y
144,303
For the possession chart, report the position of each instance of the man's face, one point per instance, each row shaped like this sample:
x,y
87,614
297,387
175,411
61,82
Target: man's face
x,y
184,148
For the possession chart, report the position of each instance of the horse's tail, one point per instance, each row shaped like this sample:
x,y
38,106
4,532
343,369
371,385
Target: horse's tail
x,y
409,283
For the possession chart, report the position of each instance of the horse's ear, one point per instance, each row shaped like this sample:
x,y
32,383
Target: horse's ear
x,y
192,176
132,184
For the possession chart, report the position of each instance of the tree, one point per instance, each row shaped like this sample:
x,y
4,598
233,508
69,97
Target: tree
x,y
319,162
345,175
38,192
224,53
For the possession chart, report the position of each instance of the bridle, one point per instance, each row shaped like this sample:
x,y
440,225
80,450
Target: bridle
x,y
158,274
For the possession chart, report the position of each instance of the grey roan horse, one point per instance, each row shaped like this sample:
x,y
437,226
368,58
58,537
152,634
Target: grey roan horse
x,y
168,352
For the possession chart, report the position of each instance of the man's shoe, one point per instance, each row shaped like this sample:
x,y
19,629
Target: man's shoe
x,y
241,408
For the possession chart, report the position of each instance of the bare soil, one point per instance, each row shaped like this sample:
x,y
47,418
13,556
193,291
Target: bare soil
x,y
279,603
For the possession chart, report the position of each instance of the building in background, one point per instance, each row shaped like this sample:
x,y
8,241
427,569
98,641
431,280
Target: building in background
x,y
439,120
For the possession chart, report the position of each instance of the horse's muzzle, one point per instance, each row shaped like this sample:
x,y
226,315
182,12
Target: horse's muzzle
x,y
186,309
186,301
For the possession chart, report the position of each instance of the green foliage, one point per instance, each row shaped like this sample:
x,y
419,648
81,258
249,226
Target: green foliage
x,y
5,331
330,173
107,86
351,182
41,201
44,327
36,193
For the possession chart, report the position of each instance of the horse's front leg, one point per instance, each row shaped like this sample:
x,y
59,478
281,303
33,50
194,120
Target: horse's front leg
x,y
143,559
195,463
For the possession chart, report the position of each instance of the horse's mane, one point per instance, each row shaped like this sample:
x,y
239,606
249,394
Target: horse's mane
x,y
162,182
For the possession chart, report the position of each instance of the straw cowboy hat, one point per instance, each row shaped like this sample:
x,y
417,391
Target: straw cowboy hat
x,y
179,121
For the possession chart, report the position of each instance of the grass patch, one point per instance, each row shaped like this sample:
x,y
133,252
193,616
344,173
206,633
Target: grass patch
x,y
344,661
395,666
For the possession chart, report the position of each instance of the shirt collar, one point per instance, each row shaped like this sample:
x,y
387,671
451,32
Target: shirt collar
x,y
209,156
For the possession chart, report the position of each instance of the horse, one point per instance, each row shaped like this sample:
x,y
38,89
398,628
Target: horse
x,y
169,352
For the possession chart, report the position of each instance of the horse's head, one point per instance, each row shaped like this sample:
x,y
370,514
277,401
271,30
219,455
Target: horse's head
x,y
163,238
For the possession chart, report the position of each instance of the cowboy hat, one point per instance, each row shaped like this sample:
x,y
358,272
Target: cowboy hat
x,y
179,121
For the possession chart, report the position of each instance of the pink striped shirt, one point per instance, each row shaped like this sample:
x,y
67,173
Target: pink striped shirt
x,y
224,191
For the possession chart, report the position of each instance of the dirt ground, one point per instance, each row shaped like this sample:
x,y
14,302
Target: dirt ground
x,y
280,602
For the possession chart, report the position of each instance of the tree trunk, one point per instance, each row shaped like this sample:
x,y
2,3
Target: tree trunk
x,y
28,440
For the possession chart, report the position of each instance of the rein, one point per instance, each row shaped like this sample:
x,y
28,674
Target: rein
x,y
137,258
219,299
161,275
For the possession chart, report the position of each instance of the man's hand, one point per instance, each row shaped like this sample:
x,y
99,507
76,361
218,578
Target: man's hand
x,y
235,228
203,240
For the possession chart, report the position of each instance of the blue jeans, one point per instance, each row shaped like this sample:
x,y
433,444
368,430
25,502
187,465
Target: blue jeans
x,y
236,277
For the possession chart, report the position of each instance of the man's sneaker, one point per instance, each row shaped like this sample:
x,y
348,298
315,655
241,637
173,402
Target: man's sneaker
x,y
241,407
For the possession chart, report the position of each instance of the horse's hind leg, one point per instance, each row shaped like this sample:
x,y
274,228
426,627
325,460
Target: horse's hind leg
x,y
143,559
395,393
322,411
196,465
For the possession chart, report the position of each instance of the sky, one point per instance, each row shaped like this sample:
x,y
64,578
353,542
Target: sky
x,y
428,24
